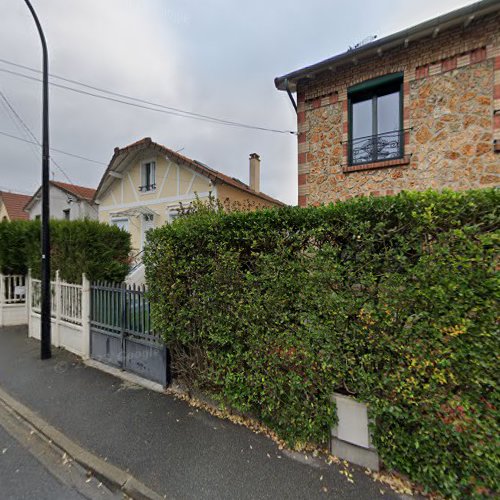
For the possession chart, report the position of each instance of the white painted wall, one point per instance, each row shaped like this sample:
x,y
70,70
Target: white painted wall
x,y
59,201
13,308
73,336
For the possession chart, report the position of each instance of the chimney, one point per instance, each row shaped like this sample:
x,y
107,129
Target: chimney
x,y
255,172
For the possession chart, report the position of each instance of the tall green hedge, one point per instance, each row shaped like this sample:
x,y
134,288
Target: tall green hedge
x,y
393,300
83,246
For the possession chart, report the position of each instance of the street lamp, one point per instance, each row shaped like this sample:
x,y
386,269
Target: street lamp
x,y
46,291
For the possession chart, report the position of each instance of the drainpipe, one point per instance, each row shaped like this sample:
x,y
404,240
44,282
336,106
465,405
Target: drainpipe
x,y
294,104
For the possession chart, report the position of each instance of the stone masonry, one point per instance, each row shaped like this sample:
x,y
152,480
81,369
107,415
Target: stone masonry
x,y
451,112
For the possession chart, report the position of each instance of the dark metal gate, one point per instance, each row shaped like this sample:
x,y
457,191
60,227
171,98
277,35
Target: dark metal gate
x,y
121,333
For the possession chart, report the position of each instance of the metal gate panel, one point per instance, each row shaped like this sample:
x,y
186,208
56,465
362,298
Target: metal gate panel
x,y
106,348
121,334
147,360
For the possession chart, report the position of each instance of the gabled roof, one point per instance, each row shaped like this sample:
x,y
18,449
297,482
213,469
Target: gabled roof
x,y
120,155
80,192
463,16
14,204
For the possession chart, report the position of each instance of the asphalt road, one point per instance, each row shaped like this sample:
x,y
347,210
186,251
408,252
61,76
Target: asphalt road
x,y
32,468
171,447
22,476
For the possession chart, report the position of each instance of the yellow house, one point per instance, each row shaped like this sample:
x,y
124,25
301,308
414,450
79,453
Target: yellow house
x,y
145,183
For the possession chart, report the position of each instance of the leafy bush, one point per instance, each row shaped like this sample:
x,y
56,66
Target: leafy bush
x,y
393,300
82,246
18,240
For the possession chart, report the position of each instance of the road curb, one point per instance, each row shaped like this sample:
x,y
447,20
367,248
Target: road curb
x,y
113,475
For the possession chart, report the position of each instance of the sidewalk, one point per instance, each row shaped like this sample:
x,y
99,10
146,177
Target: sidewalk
x,y
174,449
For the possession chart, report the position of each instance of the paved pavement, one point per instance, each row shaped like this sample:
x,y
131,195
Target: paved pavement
x,y
21,475
174,449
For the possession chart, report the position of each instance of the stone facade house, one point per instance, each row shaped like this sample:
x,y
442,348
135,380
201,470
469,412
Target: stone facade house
x,y
415,110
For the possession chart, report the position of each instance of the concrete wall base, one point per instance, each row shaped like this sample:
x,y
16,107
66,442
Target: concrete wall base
x,y
366,457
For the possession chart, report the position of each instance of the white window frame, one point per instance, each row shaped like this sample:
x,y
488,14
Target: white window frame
x,y
172,214
144,188
115,220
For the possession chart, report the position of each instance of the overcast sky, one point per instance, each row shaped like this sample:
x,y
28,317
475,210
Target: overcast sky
x,y
216,57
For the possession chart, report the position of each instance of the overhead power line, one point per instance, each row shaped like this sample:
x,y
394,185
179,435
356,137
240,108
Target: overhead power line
x,y
137,102
28,131
53,149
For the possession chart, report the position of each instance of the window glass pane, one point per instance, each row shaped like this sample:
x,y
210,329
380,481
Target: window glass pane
x,y
388,113
361,144
362,119
153,172
121,223
388,124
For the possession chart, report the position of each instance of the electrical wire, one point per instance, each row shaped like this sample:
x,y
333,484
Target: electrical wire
x,y
54,149
32,135
139,103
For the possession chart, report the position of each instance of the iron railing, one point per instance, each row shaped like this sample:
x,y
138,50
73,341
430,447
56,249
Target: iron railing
x,y
386,146
136,261
122,310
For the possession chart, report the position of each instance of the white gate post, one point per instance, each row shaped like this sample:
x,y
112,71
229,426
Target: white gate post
x,y
2,297
56,333
28,299
85,317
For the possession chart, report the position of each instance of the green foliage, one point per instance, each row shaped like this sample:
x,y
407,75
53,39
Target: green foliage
x,y
18,240
393,300
82,246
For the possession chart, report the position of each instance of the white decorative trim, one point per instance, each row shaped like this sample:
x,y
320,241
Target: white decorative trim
x,y
134,189
191,183
167,171
157,202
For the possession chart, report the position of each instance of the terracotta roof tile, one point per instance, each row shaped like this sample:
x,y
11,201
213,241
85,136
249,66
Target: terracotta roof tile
x,y
82,192
14,204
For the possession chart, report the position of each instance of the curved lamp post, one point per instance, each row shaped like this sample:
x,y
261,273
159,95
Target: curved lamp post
x,y
46,291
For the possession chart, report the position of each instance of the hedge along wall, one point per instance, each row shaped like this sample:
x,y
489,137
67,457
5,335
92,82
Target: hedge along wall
x,y
83,246
393,300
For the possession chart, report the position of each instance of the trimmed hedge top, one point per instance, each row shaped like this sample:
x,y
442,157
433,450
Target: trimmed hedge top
x,y
99,250
392,300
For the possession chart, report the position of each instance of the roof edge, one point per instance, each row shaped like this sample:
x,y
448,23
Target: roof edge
x,y
426,28
214,175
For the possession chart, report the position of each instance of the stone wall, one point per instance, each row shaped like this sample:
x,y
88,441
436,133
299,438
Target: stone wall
x,y
451,113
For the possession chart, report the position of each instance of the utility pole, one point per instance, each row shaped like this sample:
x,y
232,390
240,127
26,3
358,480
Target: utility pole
x,y
46,292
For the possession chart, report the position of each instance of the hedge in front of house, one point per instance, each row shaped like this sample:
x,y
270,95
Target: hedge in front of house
x,y
393,300
18,240
99,250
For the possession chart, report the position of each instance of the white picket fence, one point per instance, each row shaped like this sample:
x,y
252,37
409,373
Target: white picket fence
x,y
13,307
70,314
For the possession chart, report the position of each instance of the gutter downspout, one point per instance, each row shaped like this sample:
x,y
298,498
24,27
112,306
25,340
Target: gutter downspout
x,y
294,104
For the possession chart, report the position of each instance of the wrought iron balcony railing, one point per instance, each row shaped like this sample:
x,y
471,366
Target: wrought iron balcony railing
x,y
147,187
374,148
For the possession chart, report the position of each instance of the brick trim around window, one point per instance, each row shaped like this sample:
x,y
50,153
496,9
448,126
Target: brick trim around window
x,y
339,97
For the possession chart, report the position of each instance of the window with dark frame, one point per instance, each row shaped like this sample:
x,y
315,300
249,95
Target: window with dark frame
x,y
376,120
66,213
148,176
